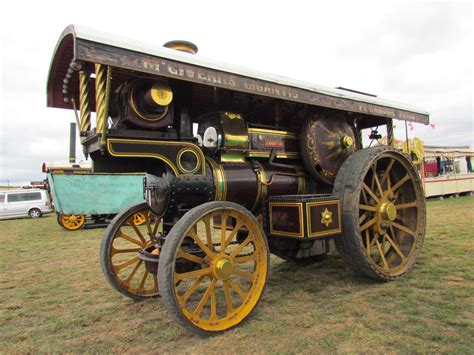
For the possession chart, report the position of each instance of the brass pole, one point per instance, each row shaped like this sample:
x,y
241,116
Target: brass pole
x,y
100,98
390,137
84,102
107,101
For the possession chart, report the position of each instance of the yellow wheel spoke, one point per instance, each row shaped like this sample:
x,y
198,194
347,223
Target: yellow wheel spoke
x,y
244,259
394,246
142,282
127,263
367,208
370,192
191,257
185,275
191,290
400,183
377,182
241,246
137,231
148,224
228,300
364,196
237,289
213,303
382,255
368,224
134,271
362,218
406,205
157,225
223,230
231,236
204,298
207,223
403,228
122,251
199,242
386,174
368,246
244,274
130,239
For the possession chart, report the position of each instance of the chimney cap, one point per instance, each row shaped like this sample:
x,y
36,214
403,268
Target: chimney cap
x,y
183,46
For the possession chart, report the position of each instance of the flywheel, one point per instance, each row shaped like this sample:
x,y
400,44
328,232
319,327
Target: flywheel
x,y
325,142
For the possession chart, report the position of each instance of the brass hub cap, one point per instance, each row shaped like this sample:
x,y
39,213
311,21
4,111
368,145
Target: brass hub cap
x,y
388,211
222,267
347,141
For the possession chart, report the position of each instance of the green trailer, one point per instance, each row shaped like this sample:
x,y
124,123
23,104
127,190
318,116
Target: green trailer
x,y
89,199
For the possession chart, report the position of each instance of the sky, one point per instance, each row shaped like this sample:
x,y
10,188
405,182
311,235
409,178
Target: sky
x,y
418,53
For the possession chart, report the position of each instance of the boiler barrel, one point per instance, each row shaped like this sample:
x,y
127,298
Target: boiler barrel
x,y
247,183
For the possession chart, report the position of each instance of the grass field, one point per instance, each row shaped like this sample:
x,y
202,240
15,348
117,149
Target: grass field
x,y
53,298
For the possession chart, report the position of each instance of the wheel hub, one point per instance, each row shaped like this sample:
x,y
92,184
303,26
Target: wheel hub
x,y
347,141
388,211
222,267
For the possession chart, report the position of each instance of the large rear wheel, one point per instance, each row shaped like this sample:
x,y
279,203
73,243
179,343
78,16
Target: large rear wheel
x,y
383,213
120,262
211,279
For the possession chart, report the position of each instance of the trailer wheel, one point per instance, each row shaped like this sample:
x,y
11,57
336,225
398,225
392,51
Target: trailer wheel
x,y
210,279
71,222
139,218
383,213
119,259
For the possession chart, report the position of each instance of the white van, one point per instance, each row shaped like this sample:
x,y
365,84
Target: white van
x,y
23,203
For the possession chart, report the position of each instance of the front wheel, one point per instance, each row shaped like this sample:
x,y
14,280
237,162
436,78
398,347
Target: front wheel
x,y
122,240
383,213
209,278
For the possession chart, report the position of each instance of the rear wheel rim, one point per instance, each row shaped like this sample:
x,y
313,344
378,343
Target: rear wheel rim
x,y
389,220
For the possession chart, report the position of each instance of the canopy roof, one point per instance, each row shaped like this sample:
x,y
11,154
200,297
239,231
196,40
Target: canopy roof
x,y
86,45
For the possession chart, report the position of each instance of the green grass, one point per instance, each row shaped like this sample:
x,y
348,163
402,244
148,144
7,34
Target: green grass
x,y
53,298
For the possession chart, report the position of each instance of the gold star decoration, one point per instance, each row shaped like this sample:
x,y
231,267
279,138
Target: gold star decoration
x,y
326,217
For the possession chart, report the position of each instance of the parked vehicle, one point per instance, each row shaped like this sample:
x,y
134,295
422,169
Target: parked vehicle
x,y
21,203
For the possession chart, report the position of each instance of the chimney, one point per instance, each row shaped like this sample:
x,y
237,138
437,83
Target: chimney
x,y
72,143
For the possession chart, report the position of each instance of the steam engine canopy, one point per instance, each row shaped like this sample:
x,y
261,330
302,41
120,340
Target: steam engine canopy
x,y
326,141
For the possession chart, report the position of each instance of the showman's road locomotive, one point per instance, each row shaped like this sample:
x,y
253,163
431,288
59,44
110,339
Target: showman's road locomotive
x,y
239,164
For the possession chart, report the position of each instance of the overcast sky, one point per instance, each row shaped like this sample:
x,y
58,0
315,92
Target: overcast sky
x,y
417,53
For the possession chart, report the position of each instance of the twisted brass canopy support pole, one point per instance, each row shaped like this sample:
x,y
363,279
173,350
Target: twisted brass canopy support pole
x,y
84,102
100,97
390,137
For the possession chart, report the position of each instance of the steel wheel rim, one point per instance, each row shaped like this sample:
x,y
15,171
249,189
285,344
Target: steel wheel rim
x,y
390,223
129,271
229,281
72,221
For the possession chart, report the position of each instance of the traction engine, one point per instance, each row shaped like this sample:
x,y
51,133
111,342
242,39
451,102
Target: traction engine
x,y
239,164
